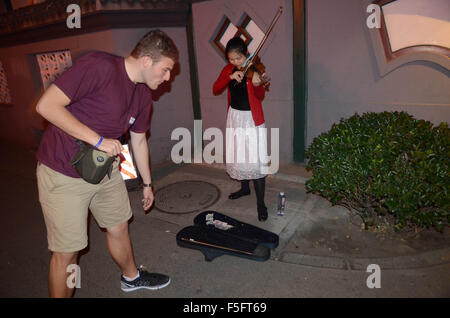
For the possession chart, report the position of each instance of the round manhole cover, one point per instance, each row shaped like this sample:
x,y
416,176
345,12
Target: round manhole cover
x,y
186,197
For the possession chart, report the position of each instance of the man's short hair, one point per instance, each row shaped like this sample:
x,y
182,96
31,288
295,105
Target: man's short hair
x,y
156,44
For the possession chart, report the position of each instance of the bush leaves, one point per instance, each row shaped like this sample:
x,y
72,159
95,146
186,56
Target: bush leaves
x,y
385,163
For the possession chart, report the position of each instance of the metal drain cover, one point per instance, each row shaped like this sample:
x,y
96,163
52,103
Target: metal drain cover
x,y
186,197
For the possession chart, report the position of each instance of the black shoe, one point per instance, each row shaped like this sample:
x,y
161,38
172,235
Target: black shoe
x,y
262,212
238,194
145,280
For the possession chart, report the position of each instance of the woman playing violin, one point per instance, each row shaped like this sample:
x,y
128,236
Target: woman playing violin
x,y
244,145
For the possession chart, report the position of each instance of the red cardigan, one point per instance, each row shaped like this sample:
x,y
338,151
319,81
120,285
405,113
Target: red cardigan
x,y
255,94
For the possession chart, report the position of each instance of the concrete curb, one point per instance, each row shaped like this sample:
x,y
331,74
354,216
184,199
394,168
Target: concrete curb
x,y
426,259
290,178
278,176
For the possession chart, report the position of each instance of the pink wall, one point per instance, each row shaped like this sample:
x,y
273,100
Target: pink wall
x,y
17,123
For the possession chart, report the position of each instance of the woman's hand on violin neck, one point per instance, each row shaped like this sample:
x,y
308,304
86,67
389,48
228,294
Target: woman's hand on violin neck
x,y
238,76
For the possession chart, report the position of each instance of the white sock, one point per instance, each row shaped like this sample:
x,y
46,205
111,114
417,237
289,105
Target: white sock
x,y
131,279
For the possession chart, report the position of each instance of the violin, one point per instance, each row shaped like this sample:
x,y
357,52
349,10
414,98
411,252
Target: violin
x,y
253,63
258,67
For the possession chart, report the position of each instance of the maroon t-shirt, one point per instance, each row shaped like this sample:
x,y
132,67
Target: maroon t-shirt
x,y
100,93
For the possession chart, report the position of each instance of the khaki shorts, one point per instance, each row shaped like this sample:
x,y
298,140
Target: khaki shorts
x,y
65,202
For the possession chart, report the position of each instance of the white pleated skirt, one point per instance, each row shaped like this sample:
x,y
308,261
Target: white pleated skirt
x,y
246,144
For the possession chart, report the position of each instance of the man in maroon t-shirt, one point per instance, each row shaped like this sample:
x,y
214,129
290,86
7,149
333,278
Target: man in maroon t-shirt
x,y
96,101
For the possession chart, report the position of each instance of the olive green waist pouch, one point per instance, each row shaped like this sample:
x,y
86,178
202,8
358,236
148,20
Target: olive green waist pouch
x,y
92,164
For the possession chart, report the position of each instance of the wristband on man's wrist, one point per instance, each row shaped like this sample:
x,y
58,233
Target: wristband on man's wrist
x,y
99,142
147,185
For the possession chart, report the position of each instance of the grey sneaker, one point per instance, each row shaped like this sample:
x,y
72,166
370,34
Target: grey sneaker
x,y
145,280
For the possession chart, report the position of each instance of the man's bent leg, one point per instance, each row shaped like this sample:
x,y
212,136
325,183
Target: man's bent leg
x,y
64,201
58,275
119,245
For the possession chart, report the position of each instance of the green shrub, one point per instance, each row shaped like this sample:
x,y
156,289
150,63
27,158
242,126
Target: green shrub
x,y
385,164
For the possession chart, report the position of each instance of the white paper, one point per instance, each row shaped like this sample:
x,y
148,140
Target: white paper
x,y
126,166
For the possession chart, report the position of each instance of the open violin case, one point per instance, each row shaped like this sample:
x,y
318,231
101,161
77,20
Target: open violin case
x,y
215,234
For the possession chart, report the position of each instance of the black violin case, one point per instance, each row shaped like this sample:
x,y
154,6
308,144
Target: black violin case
x,y
215,234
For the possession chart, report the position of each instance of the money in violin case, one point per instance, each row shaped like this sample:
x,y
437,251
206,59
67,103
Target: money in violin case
x,y
215,234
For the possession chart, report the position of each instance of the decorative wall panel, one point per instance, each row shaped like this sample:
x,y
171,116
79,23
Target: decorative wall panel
x,y
5,96
52,65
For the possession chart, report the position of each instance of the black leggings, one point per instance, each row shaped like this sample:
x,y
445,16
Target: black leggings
x,y
260,188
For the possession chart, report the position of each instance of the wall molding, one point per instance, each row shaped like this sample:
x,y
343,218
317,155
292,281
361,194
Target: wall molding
x,y
47,21
388,60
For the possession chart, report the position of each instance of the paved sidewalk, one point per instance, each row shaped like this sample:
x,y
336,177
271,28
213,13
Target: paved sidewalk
x,y
321,253
315,233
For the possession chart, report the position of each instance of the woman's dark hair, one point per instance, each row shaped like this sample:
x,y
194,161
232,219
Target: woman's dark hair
x,y
236,45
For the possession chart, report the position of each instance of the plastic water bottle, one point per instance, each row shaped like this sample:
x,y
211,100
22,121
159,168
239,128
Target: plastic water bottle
x,y
281,203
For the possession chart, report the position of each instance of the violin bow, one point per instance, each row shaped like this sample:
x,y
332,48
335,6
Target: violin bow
x,y
266,35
